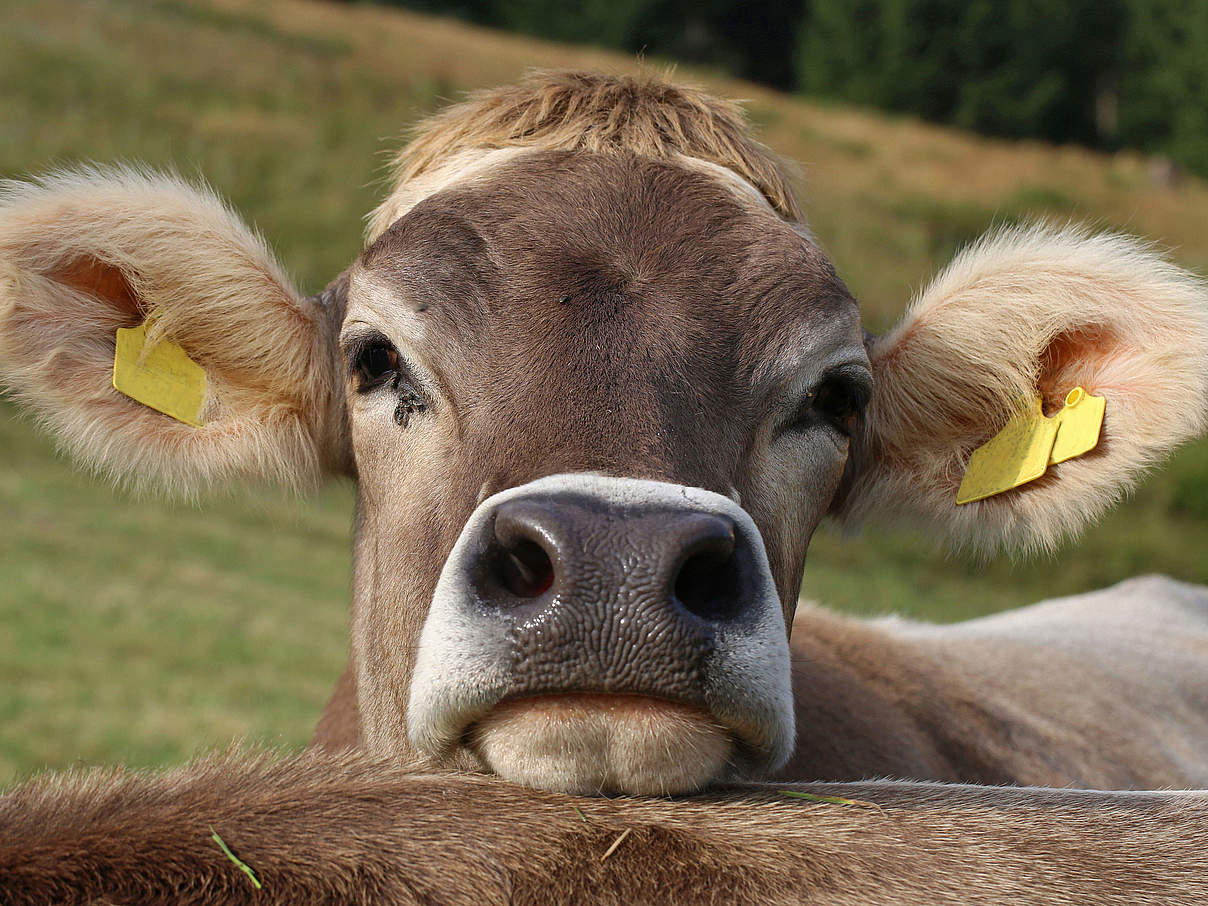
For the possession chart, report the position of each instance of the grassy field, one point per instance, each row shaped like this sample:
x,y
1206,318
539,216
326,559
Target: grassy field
x,y
138,631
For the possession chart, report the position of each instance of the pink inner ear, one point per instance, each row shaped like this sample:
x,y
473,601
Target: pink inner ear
x,y
1072,359
103,281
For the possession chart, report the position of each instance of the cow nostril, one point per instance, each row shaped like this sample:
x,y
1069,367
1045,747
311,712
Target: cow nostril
x,y
525,569
708,581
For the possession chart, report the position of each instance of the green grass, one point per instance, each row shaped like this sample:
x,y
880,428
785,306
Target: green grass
x,y
138,631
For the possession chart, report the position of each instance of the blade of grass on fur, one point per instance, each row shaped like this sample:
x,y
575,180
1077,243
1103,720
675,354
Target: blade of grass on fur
x,y
831,800
241,865
615,843
581,815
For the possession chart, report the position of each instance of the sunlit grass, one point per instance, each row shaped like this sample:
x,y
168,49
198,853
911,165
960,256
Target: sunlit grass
x,y
138,631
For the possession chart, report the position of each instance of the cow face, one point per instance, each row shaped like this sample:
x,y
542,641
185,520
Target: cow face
x,y
598,406
597,394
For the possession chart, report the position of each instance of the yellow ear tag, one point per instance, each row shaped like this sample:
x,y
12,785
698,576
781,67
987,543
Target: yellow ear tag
x,y
1017,454
1081,421
1030,443
165,378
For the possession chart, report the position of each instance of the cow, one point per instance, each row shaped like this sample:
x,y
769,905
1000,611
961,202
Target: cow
x,y
597,384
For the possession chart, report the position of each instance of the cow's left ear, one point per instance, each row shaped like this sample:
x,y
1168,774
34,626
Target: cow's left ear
x,y
1029,312
248,366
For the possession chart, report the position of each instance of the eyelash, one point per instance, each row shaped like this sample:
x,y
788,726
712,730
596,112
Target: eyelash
x,y
376,364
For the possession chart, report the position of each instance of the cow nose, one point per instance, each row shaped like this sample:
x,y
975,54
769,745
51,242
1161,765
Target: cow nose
x,y
590,584
684,559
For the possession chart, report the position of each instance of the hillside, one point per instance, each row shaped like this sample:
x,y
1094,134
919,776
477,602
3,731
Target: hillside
x,y
134,630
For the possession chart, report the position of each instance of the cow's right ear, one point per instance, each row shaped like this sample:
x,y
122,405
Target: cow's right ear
x,y
84,253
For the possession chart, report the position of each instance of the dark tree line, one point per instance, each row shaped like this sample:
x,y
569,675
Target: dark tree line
x,y
1105,73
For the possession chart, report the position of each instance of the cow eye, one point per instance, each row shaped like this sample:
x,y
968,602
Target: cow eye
x,y
840,401
837,401
375,365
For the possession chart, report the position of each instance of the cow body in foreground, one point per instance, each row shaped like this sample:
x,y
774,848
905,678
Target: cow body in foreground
x,y
318,830
597,385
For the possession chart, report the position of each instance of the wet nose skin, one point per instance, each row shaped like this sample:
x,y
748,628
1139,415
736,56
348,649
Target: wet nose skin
x,y
604,600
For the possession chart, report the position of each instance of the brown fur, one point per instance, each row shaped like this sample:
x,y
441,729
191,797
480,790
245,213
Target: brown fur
x,y
598,114
316,830
1105,690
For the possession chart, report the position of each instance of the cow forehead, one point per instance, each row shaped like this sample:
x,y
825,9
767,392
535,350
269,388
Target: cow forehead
x,y
670,254
625,312
630,314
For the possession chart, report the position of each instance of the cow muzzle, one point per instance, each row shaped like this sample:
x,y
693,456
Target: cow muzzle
x,y
593,634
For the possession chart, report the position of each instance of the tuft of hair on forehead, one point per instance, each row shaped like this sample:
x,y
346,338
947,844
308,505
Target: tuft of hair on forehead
x,y
602,114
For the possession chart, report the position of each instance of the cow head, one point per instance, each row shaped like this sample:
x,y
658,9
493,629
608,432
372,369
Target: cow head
x,y
597,386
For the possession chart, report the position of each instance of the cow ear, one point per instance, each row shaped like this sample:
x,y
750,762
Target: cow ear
x,y
1029,312
87,252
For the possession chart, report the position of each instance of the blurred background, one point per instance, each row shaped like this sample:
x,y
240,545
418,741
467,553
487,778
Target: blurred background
x,y
140,631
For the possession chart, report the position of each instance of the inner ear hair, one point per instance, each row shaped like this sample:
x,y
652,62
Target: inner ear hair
x,y
1072,359
95,278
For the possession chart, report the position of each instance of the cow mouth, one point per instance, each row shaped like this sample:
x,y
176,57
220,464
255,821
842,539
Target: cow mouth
x,y
602,743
